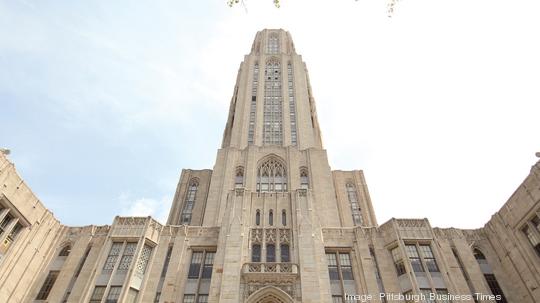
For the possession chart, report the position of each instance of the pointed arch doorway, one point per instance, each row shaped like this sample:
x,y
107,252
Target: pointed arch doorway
x,y
269,294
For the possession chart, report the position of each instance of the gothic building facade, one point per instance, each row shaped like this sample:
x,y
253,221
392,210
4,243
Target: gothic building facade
x,y
271,222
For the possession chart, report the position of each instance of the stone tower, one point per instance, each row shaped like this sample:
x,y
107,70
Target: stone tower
x,y
271,190
271,222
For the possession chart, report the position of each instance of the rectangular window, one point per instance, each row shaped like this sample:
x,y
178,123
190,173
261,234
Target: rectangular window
x,y
208,265
189,298
346,267
47,285
398,261
414,257
442,295
284,248
429,258
195,265
114,294
97,295
495,287
142,263
256,253
113,255
127,256
332,266
426,292
337,299
202,299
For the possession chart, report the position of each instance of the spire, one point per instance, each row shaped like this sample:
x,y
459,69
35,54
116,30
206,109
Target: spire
x,y
272,103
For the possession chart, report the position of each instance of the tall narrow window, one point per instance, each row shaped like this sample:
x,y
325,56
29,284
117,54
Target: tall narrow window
x,y
304,179
285,253
185,218
114,294
142,263
270,253
167,260
271,218
283,218
292,105
258,217
97,295
429,258
273,113
208,265
112,257
127,256
355,207
272,47
5,223
489,276
271,176
253,105
47,285
340,272
239,178
201,271
195,266
414,257
398,261
256,253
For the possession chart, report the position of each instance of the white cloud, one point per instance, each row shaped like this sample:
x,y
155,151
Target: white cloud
x,y
142,207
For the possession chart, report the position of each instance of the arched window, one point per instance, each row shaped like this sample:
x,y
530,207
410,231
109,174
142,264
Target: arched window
x,y
304,179
65,251
239,178
271,218
271,176
258,217
273,113
185,217
256,253
479,256
283,218
270,253
355,207
285,255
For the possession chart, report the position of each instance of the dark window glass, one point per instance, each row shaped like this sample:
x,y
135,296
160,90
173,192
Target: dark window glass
x,y
270,253
256,253
195,266
47,285
208,265
283,218
258,217
271,218
495,288
285,253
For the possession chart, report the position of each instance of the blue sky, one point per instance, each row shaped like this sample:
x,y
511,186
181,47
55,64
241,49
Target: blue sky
x,y
102,103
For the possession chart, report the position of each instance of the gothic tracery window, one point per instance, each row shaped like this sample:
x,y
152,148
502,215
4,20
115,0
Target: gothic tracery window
x,y
271,176
272,47
185,217
273,113
304,179
239,178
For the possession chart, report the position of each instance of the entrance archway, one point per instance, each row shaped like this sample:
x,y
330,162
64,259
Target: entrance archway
x,y
270,294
